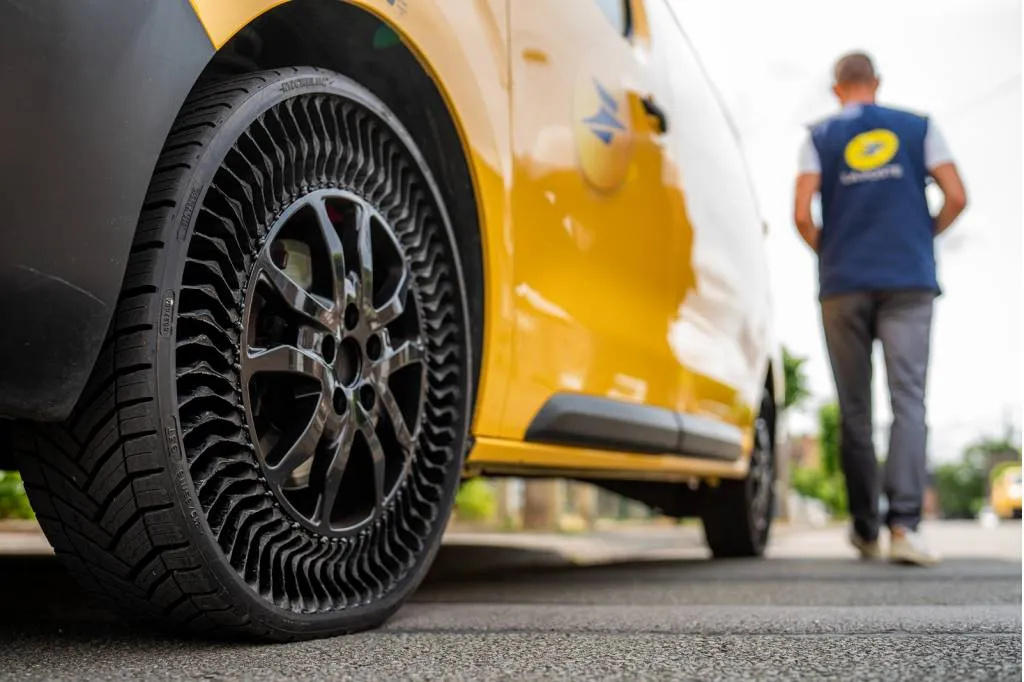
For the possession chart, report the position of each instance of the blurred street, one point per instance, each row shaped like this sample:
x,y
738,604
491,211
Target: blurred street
x,y
617,604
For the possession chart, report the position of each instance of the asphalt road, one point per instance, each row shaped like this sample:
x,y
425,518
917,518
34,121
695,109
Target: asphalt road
x,y
641,605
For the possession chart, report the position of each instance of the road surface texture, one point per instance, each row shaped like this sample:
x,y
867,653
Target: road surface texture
x,y
638,604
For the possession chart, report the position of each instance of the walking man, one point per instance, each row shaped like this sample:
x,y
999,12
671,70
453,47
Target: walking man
x,y
877,280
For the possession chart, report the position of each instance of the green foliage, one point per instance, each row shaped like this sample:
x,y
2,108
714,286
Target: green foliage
x,y
961,488
13,500
796,381
815,483
476,501
828,421
824,482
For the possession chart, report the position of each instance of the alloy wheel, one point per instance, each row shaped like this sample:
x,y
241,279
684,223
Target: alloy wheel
x,y
332,362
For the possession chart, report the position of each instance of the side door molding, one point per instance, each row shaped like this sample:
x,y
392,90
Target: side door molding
x,y
577,420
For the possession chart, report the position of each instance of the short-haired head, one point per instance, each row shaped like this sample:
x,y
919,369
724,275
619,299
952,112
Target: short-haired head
x,y
855,78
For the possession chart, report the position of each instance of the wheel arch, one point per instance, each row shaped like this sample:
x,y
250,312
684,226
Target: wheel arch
x,y
425,85
95,90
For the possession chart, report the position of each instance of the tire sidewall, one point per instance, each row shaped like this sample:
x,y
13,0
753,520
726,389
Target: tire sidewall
x,y
178,232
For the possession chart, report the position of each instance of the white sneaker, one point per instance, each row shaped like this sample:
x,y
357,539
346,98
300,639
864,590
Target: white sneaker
x,y
908,547
868,549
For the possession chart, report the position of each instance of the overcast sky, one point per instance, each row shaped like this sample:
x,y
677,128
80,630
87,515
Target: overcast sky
x,y
958,60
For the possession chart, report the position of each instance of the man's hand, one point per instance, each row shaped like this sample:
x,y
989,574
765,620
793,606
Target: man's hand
x,y
948,180
807,185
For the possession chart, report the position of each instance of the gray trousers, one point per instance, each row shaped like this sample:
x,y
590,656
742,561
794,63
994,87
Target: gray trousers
x,y
902,321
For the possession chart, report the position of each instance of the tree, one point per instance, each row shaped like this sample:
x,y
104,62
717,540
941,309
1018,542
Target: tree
x,y
830,489
796,381
961,485
13,500
825,481
796,393
828,420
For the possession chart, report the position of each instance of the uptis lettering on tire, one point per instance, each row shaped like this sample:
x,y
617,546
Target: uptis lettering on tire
x,y
272,438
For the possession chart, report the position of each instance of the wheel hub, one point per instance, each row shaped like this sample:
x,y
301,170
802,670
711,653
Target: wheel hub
x,y
332,362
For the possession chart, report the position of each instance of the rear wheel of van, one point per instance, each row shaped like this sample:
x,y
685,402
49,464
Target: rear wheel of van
x,y
272,438
738,514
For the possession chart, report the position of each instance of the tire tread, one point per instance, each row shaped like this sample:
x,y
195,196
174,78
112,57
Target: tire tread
x,y
101,499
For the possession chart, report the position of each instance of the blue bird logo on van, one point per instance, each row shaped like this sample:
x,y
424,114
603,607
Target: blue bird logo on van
x,y
602,130
605,123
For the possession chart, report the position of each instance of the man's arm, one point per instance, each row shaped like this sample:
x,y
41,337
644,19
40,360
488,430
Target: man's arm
x,y
939,160
808,181
954,196
807,185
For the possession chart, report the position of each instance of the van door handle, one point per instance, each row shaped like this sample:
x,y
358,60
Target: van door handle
x,y
654,111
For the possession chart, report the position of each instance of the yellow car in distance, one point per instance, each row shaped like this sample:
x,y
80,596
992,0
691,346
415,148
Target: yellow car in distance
x,y
281,274
1005,496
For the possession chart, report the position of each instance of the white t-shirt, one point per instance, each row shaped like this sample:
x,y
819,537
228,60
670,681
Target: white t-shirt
x,y
936,150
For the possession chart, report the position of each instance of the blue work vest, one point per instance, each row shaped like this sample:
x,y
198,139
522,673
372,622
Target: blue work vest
x,y
877,232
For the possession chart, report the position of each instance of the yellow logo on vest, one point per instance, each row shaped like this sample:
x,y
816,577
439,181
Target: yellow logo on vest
x,y
872,149
868,155
602,131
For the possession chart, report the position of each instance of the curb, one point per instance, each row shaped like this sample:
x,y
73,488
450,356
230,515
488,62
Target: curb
x,y
20,526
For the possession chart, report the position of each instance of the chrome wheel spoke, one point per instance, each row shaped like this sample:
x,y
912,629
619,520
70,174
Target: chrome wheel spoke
x,y
407,353
395,306
379,463
286,359
309,305
402,432
335,250
365,242
305,446
341,449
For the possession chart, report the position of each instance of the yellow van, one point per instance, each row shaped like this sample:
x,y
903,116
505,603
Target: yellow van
x,y
284,273
1005,492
